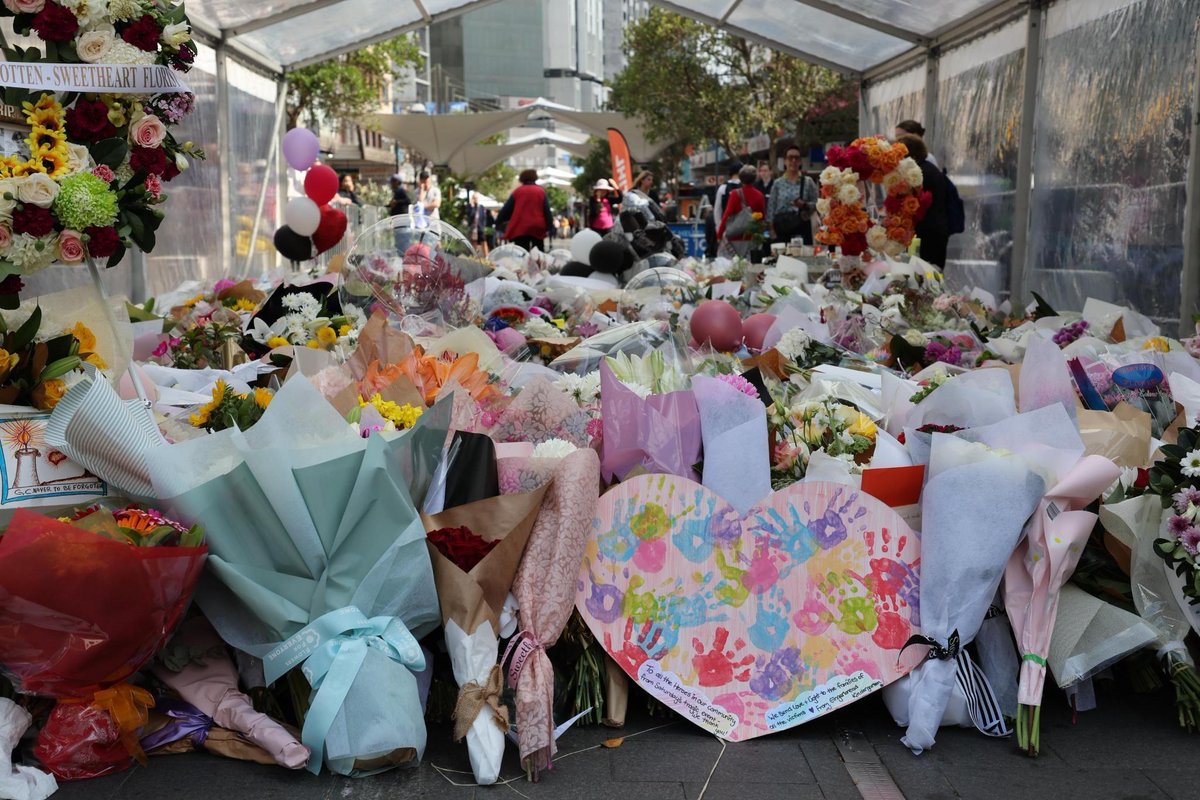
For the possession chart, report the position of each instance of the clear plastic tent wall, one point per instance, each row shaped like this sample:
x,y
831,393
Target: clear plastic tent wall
x,y
1111,153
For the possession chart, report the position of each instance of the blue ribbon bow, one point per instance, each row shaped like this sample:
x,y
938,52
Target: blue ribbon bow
x,y
332,650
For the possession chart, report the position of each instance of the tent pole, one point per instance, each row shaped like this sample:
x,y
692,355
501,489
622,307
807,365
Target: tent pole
x,y
225,164
272,154
1034,24
931,97
1190,288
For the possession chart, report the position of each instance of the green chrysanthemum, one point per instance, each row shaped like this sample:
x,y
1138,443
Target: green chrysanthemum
x,y
85,201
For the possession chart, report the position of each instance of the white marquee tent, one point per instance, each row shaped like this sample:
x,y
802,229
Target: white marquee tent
x,y
1072,124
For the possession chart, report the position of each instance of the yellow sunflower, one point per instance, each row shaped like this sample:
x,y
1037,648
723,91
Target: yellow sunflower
x,y
24,169
46,112
263,397
52,162
205,411
45,138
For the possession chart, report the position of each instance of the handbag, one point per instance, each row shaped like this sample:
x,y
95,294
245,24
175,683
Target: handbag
x,y
739,226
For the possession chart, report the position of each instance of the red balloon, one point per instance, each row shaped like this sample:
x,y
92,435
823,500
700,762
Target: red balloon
x,y
756,327
331,230
321,184
717,323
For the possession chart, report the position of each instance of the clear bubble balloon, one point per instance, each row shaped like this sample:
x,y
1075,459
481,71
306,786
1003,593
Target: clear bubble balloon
x,y
412,266
509,250
659,293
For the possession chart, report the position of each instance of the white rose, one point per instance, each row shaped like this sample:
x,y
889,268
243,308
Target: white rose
x,y
94,46
8,186
848,194
892,180
830,175
823,206
176,34
38,189
78,159
877,238
850,177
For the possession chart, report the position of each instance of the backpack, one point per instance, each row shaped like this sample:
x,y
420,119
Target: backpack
x,y
956,213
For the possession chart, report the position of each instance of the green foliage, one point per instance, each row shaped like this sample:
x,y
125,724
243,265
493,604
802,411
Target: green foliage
x,y
348,86
560,201
689,82
597,165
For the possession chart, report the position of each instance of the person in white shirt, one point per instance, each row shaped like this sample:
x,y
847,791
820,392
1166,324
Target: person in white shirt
x,y
914,128
723,190
429,196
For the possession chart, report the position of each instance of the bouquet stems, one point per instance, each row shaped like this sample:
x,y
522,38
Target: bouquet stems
x,y
1187,691
586,685
1029,725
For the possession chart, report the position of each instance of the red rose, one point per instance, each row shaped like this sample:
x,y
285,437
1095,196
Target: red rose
x,y
143,34
34,220
102,242
860,162
1143,478
12,285
171,172
893,203
87,121
836,156
854,244
462,546
54,23
151,160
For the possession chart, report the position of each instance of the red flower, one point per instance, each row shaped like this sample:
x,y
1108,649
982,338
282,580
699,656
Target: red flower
x,y
54,23
926,199
836,156
182,60
893,203
462,546
152,160
935,428
88,121
1143,478
12,285
854,244
102,242
143,34
171,172
34,220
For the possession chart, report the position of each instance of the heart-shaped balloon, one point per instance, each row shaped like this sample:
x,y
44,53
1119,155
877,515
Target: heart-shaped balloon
x,y
747,625
331,230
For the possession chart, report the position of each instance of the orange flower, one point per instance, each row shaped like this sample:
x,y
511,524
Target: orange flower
x,y
378,378
896,234
430,374
911,206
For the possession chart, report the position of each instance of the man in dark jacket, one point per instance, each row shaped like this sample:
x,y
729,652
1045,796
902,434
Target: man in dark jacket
x,y
934,227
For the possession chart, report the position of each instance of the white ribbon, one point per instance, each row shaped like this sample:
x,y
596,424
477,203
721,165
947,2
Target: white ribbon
x,y
95,78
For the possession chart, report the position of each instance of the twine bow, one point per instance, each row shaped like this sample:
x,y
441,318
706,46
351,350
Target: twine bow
x,y
937,650
473,697
129,706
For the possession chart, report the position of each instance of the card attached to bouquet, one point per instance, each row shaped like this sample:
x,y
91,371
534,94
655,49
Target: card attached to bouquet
x,y
33,474
749,624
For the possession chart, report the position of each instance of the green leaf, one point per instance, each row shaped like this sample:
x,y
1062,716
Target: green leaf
x,y
110,152
116,257
24,335
9,302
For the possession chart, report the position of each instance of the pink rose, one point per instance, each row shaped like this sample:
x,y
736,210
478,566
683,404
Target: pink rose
x,y
149,131
24,6
5,238
70,247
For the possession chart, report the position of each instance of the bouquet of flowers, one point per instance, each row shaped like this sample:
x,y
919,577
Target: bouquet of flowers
x,y
845,220
230,409
34,366
59,641
1176,481
834,428
91,175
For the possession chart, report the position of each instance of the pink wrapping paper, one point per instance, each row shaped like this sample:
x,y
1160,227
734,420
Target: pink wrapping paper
x,y
212,687
545,591
541,412
661,433
1045,560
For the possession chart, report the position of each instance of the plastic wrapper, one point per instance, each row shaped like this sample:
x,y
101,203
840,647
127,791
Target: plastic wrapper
x,y
635,338
58,639
660,432
19,781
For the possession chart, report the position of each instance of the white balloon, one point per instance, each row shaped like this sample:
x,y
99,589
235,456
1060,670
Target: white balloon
x,y
582,244
302,216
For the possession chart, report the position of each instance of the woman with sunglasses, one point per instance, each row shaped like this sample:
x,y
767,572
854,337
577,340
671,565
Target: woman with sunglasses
x,y
793,198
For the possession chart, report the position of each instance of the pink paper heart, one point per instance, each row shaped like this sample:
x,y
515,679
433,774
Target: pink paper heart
x,y
752,624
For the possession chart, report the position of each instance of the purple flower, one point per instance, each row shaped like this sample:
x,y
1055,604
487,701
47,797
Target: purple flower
x,y
947,354
1189,494
1177,525
1190,539
741,384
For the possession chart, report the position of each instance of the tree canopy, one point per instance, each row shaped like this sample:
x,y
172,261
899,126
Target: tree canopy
x,y
690,82
348,86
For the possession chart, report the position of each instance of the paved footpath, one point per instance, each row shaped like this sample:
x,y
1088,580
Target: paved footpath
x,y
1129,748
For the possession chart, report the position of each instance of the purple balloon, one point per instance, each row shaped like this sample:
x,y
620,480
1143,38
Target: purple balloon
x,y
301,148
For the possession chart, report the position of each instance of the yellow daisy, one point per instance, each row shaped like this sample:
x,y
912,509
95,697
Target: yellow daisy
x,y
243,304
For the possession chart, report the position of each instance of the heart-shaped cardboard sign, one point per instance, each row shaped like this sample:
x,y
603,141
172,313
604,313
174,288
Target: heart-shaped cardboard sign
x,y
747,625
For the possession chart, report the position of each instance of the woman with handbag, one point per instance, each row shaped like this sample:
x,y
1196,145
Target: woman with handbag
x,y
737,218
793,198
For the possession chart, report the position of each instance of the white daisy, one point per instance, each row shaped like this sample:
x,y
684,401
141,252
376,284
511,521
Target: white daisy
x,y
1191,464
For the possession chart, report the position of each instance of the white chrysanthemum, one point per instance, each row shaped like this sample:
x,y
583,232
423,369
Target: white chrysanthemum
x,y
848,193
915,338
538,328
831,176
31,253
88,12
125,9
641,390
554,448
1190,465
584,388
122,52
303,304
793,344
823,206
877,238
